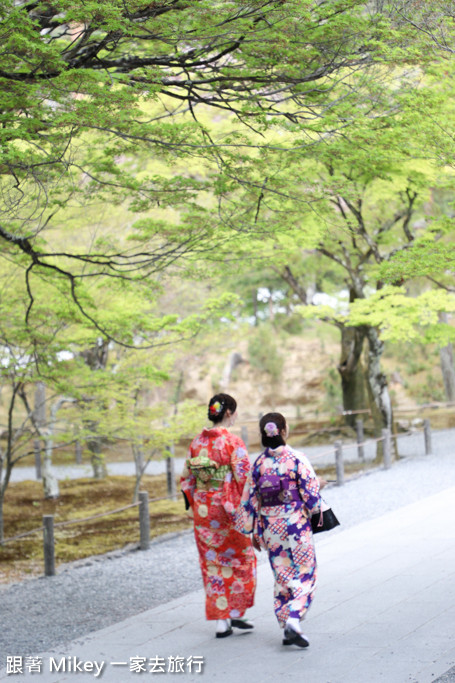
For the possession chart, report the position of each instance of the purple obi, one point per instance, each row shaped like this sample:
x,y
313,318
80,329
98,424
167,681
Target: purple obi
x,y
275,490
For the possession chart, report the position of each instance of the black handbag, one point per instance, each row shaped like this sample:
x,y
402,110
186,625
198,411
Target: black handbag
x,y
324,520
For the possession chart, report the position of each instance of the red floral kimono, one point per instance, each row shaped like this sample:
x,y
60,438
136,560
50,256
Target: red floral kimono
x,y
212,481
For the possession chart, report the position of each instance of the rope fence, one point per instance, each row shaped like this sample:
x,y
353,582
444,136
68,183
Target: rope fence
x,y
23,535
49,525
244,430
337,450
80,521
386,438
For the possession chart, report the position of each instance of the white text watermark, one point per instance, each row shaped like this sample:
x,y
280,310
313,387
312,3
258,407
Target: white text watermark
x,y
17,665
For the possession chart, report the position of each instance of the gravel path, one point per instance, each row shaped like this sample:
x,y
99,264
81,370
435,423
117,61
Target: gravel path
x,y
39,614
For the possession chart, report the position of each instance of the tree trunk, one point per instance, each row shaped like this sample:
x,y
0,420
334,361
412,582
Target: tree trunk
x,y
98,464
40,404
170,476
50,481
448,371
255,307
271,308
2,459
447,366
3,486
351,372
233,361
138,454
96,358
94,444
7,463
378,390
2,498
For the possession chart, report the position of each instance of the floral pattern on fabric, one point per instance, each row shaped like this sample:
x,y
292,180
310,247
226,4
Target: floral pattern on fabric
x,y
285,530
226,556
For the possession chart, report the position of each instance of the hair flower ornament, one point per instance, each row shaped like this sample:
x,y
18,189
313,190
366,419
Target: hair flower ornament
x,y
271,429
216,408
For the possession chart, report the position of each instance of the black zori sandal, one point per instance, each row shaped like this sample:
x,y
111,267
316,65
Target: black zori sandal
x,y
291,637
242,624
224,634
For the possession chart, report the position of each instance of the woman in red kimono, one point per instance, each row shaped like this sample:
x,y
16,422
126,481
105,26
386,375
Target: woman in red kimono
x,y
212,483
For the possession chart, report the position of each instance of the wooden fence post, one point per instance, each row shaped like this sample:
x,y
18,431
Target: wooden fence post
x,y
427,436
360,439
48,545
339,464
144,520
37,449
386,448
170,473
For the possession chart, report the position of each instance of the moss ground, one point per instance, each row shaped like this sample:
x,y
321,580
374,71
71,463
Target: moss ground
x,y
80,498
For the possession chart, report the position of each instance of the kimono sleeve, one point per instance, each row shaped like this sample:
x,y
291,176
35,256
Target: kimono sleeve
x,y
240,465
188,483
247,513
308,484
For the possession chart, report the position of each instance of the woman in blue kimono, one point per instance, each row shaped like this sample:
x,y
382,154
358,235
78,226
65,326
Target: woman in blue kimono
x,y
279,497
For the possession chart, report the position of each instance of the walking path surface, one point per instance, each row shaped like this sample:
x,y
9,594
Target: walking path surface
x,y
384,611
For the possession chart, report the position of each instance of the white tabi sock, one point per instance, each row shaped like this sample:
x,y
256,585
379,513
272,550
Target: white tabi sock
x,y
223,625
294,624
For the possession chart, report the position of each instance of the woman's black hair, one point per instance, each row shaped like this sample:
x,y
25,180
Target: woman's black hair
x,y
272,422
218,405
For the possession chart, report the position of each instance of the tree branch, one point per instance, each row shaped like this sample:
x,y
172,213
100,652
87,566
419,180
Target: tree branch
x,y
288,276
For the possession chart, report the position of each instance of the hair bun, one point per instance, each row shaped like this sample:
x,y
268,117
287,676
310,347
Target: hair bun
x,y
272,427
219,405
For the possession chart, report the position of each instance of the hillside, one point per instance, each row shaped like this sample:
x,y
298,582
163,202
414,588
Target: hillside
x,y
304,382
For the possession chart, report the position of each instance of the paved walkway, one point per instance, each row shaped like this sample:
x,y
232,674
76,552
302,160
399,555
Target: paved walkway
x,y
384,612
